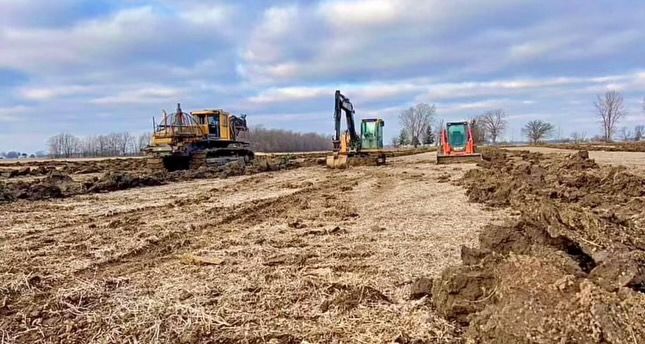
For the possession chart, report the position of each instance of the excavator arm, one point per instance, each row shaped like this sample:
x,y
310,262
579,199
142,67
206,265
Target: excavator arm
x,y
344,105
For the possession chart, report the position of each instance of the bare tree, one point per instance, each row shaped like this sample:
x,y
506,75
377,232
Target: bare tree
x,y
479,132
438,130
611,110
538,130
278,140
494,123
415,120
579,136
625,134
639,132
63,145
143,141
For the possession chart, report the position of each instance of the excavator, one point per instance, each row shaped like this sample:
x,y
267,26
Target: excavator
x,y
457,144
349,148
202,138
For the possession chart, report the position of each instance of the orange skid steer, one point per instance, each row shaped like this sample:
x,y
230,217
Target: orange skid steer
x,y
457,144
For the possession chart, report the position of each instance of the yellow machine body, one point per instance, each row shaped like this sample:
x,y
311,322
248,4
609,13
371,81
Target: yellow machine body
x,y
183,140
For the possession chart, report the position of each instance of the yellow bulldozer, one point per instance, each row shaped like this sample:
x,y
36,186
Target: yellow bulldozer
x,y
201,138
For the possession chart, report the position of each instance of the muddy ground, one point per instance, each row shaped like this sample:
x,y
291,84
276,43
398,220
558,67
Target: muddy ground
x,y
303,254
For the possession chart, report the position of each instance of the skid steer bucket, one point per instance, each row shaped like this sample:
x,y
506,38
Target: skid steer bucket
x,y
458,158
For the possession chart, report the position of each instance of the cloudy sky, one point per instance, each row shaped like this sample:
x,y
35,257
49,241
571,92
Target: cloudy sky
x,y
96,66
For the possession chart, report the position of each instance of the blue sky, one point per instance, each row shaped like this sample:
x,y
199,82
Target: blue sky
x,y
89,67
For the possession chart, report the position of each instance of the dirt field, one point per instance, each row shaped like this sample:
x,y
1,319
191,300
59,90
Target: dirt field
x,y
305,254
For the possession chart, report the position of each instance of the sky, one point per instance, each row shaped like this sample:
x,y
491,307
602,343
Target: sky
x,y
100,66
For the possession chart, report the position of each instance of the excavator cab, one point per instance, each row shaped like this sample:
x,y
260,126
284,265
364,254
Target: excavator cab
x,y
372,133
457,144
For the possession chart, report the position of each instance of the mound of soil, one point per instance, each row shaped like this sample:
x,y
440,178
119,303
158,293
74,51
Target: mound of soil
x,y
570,268
608,147
125,174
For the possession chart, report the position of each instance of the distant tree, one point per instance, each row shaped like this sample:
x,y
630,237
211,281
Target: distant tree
x,y
64,145
395,142
403,138
143,141
479,132
578,136
428,137
40,154
32,155
438,130
538,130
639,132
610,109
415,120
12,155
494,123
625,134
278,140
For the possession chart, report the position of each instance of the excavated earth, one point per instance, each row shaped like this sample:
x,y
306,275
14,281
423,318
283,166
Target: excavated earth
x,y
568,267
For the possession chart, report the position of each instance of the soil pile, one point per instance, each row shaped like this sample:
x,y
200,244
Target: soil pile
x,y
569,268
607,147
119,176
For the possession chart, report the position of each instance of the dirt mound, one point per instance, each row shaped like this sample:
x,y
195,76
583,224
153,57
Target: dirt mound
x,y
113,181
122,174
608,147
570,268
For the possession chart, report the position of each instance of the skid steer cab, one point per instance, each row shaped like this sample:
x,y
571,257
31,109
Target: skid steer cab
x,y
457,144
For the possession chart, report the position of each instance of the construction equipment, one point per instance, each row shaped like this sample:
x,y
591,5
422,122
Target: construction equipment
x,y
457,144
349,147
202,138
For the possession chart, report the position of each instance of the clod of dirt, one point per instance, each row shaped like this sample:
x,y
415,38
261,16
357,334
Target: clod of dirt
x,y
621,270
113,181
297,224
351,297
444,178
420,288
463,290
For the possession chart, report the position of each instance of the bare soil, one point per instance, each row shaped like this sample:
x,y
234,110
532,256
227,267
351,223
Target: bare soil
x,y
276,257
568,268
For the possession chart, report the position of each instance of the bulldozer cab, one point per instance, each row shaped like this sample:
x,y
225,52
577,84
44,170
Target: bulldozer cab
x,y
458,135
372,134
214,123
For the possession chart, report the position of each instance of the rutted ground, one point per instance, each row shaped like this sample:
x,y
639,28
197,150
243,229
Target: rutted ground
x,y
305,254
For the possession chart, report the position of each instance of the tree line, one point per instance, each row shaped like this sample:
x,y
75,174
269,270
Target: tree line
x,y
278,140
66,145
488,127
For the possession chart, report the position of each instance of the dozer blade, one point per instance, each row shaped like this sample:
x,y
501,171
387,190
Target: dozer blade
x,y
337,161
458,159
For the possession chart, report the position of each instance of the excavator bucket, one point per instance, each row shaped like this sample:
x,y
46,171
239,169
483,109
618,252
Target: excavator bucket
x,y
458,159
337,161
